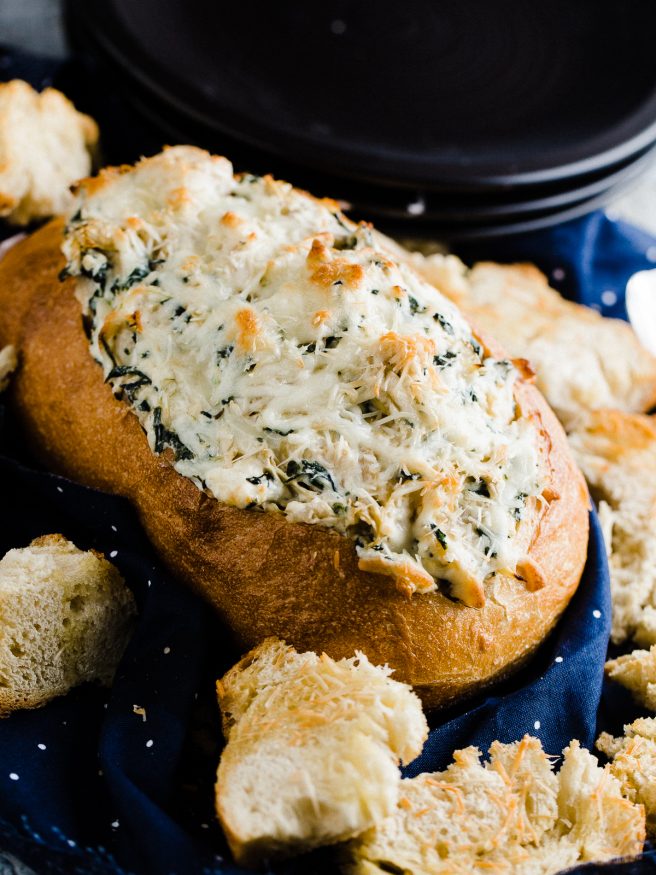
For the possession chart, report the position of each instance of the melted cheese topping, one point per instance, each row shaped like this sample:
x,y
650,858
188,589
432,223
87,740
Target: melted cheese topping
x,y
289,364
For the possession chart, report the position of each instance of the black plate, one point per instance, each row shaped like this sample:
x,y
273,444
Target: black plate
x,y
483,93
473,228
386,205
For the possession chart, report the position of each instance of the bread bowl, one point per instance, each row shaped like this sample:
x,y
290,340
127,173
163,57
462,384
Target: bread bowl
x,y
321,585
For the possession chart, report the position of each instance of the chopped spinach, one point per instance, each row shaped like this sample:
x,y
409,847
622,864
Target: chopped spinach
x,y
518,512
349,242
164,438
415,306
223,353
445,360
278,431
480,487
310,475
447,326
440,535
266,477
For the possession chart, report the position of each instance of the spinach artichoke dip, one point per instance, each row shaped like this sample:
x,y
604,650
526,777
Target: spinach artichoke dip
x,y
285,361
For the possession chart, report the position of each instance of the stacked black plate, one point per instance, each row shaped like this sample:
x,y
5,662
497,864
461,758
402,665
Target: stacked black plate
x,y
462,119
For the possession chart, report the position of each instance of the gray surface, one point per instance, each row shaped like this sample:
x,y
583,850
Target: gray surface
x,y
34,25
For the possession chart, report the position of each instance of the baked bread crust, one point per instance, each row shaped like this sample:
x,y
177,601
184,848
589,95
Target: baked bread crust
x,y
264,575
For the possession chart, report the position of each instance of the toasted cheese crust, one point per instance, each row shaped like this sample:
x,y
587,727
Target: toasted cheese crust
x,y
288,363
511,815
313,747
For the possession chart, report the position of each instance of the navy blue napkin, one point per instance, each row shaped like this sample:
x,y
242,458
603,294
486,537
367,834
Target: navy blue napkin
x,y
121,780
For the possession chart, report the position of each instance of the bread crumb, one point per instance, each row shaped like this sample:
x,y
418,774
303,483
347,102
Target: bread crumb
x,y
633,764
637,672
8,363
313,747
617,454
137,709
65,618
45,146
511,814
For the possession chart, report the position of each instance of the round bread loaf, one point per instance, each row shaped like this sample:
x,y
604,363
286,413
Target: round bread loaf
x,y
444,626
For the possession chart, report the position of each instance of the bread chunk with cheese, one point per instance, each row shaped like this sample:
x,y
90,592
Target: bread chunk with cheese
x,y
633,764
313,747
582,360
291,365
312,436
65,618
637,672
45,146
617,454
512,814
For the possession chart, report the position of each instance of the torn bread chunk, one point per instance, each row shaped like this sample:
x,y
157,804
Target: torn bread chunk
x,y
582,360
313,747
637,672
65,618
45,146
511,814
617,454
7,365
634,764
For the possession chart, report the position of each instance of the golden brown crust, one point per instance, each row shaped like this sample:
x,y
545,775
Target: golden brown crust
x,y
264,575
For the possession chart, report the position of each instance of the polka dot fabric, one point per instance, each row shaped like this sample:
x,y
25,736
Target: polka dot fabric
x,y
121,780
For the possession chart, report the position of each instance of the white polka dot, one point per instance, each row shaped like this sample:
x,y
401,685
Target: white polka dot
x,y
150,742
559,659
59,489
416,208
204,826
166,650
64,723
596,614
149,582
100,772
115,824
13,776
114,529
608,298
70,843
558,273
651,253
537,724
41,746
338,26
113,554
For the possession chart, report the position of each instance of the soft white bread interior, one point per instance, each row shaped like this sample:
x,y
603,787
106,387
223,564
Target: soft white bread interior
x,y
313,747
45,146
637,672
509,815
634,764
7,365
617,454
65,618
583,361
